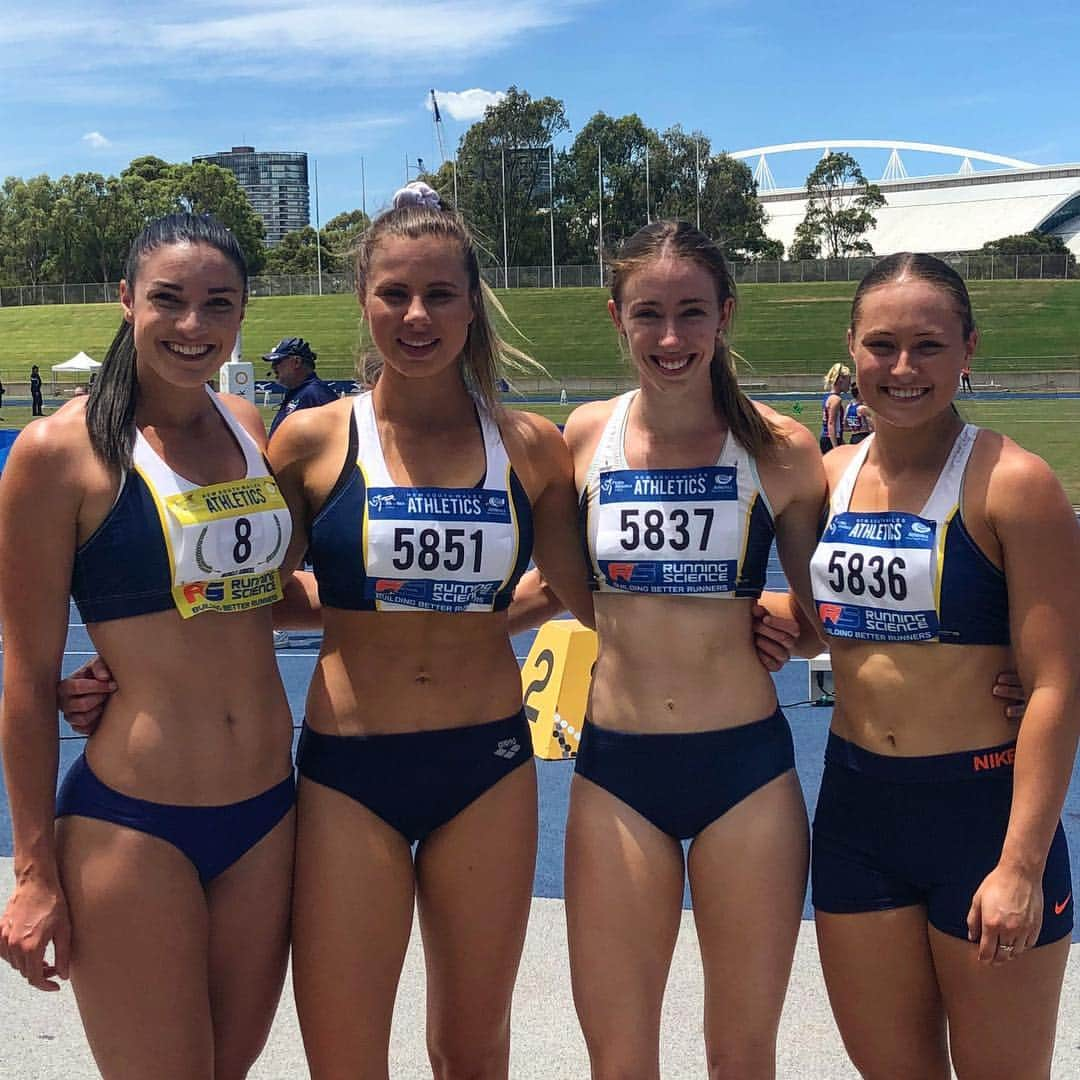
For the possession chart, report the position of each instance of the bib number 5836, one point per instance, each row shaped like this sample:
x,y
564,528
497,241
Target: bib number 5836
x,y
854,574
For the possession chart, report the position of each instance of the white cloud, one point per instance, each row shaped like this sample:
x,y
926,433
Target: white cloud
x,y
466,104
343,135
95,140
370,40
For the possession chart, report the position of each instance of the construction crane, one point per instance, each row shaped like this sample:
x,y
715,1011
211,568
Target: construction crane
x,y
440,138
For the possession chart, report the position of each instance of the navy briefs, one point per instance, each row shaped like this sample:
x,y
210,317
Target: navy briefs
x,y
684,781
892,832
212,837
416,781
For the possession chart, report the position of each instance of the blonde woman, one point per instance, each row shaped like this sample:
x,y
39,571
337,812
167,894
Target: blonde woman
x,y
837,382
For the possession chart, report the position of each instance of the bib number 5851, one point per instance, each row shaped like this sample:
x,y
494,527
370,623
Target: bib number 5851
x,y
430,549
851,572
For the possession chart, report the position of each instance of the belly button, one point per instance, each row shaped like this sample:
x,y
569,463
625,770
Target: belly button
x,y
890,738
423,678
669,705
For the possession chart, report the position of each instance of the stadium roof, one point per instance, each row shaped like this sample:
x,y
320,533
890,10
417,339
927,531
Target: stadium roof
x,y
958,212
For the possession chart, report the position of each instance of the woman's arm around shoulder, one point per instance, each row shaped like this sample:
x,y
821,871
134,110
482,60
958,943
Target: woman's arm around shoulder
x,y
49,471
543,464
794,480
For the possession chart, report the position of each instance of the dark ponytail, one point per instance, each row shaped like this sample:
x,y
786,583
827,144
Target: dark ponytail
x,y
110,409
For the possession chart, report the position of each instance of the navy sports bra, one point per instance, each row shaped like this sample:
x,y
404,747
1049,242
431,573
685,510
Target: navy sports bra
x,y
703,532
894,576
379,547
168,543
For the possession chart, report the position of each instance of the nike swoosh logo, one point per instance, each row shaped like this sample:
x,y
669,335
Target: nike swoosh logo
x,y
1059,908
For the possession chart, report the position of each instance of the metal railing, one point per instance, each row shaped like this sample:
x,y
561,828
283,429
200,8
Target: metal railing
x,y
976,267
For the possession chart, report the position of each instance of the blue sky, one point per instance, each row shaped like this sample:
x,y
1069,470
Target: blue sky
x,y
88,85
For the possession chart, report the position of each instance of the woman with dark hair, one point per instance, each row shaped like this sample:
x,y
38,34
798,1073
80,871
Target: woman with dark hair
x,y
683,483
857,421
150,503
940,871
423,499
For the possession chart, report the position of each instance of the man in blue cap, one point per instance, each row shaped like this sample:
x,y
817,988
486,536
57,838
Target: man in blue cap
x,y
292,363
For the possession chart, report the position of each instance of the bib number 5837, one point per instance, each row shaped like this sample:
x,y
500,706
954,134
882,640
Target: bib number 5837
x,y
649,528
854,574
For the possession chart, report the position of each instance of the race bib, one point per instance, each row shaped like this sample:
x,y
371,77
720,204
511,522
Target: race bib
x,y
874,577
227,541
669,531
438,549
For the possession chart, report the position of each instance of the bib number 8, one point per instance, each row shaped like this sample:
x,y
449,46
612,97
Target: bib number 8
x,y
242,548
862,575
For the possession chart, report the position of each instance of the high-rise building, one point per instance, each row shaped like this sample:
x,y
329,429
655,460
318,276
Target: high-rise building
x,y
275,182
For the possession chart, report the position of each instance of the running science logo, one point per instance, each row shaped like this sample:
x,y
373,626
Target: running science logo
x,y
428,595
670,577
876,624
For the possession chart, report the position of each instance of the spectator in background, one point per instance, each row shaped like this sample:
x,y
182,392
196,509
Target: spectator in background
x,y
36,402
292,364
1,394
965,379
837,382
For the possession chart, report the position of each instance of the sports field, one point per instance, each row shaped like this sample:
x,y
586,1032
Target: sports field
x,y
1025,325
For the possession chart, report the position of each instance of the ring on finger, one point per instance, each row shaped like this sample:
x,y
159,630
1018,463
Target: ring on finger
x,y
1008,950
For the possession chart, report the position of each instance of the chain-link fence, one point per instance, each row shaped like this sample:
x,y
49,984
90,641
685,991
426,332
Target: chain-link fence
x,y
971,267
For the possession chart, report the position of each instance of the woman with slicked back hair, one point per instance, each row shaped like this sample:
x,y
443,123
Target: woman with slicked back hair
x,y
940,871
423,499
683,483
164,886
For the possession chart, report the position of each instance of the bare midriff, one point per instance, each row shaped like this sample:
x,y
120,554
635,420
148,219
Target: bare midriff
x,y
200,717
916,700
677,664
384,673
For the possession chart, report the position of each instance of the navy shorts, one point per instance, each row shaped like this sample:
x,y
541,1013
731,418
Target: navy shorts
x,y
417,781
890,832
683,782
212,837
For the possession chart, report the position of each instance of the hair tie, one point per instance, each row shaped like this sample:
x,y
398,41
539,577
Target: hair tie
x,y
417,194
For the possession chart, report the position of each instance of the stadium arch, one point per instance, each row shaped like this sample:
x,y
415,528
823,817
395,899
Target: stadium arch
x,y
942,212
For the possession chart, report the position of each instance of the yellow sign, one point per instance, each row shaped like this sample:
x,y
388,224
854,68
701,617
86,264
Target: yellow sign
x,y
555,682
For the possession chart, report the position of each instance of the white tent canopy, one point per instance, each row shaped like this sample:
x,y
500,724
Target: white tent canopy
x,y
79,362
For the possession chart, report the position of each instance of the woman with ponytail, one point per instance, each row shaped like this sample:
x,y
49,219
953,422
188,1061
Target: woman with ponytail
x,y
683,482
423,500
150,504
836,384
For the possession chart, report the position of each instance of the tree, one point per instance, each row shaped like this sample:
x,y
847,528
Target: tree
x,y
1030,243
295,253
203,188
513,135
339,236
620,146
731,213
839,209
